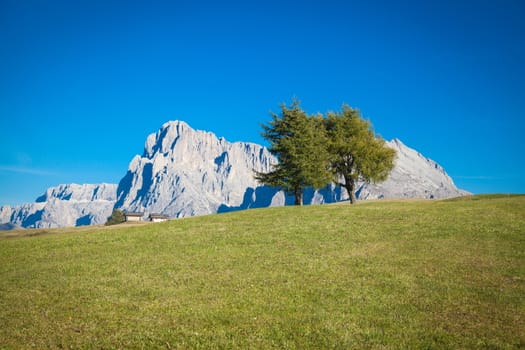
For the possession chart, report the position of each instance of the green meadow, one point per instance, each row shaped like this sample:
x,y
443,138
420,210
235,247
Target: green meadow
x,y
412,274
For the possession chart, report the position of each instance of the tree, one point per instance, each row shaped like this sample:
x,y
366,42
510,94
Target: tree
x,y
117,217
356,153
299,143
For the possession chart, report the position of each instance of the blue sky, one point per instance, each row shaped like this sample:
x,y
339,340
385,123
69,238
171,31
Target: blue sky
x,y
82,83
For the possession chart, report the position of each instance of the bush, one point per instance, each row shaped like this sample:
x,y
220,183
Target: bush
x,y
117,217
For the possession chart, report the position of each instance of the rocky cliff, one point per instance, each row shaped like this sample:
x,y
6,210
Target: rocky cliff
x,y
184,172
64,205
414,176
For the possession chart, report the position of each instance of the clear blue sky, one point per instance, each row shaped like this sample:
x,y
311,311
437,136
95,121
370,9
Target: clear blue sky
x,y
82,83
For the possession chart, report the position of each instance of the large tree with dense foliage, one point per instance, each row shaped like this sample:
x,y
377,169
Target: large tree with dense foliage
x,y
356,153
299,143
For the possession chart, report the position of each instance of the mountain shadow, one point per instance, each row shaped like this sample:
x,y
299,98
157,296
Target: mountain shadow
x,y
83,220
259,197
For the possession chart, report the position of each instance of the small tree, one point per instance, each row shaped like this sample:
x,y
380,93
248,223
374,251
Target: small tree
x,y
117,217
356,153
299,143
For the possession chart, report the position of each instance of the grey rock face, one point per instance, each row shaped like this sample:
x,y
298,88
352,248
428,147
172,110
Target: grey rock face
x,y
184,172
64,205
414,176
85,192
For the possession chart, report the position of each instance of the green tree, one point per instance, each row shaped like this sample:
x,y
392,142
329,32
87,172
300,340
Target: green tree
x,y
299,143
117,217
356,153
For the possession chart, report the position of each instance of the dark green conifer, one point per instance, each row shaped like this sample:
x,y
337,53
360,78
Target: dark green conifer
x,y
299,143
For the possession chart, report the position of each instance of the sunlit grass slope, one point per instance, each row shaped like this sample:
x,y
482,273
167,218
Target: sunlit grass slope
x,y
387,275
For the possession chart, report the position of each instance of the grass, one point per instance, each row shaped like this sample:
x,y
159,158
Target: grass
x,y
377,275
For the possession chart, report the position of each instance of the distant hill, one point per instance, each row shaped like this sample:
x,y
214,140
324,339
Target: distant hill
x,y
185,172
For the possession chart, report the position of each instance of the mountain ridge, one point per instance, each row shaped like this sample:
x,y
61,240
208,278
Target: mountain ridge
x,y
185,172
64,205
200,162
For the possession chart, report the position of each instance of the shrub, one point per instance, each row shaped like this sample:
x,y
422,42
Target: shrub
x,y
117,217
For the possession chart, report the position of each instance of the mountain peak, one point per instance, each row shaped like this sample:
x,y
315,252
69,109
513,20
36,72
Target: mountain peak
x,y
187,172
164,139
174,123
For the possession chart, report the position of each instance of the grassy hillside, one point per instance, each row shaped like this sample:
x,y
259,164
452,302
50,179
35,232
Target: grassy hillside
x,y
385,275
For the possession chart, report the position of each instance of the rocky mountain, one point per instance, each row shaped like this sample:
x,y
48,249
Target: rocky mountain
x,y
414,176
185,172
62,206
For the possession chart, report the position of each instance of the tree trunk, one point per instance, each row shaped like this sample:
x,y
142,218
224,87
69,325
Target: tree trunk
x,y
298,196
349,185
